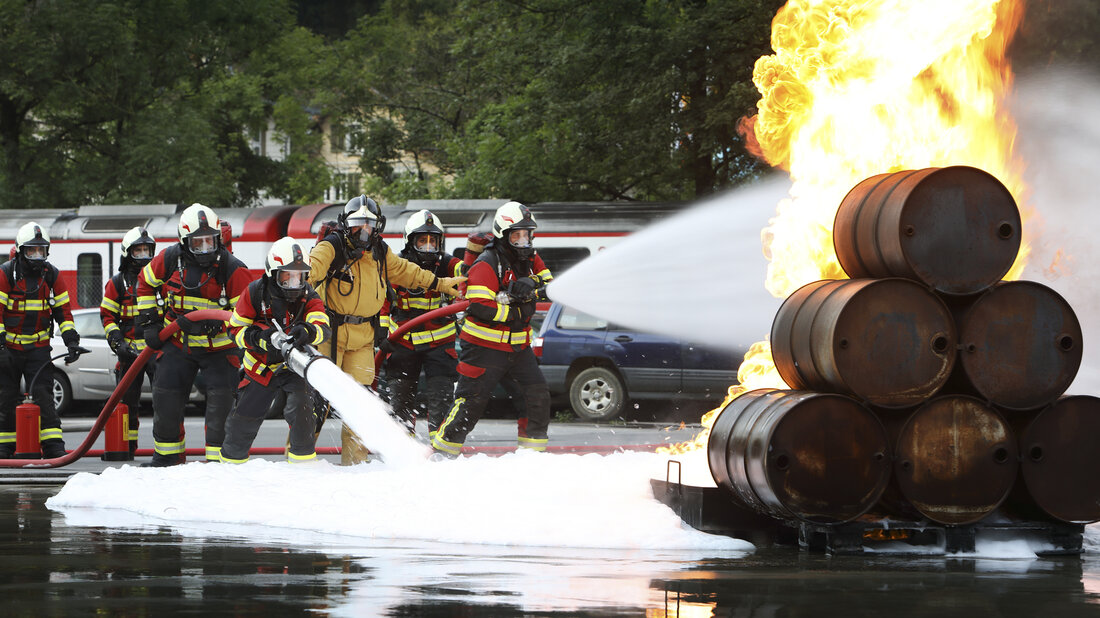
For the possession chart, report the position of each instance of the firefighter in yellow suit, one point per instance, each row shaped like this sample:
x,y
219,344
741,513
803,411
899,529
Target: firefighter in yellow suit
x,y
355,268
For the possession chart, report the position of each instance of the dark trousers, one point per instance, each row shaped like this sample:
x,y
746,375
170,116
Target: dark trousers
x,y
403,367
24,365
479,371
175,375
253,403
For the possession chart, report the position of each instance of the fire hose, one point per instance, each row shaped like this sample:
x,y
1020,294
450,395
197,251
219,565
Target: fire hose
x,y
413,323
131,374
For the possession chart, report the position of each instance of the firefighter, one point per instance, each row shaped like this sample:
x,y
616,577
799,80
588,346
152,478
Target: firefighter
x,y
353,269
32,298
503,286
195,273
119,312
430,347
281,297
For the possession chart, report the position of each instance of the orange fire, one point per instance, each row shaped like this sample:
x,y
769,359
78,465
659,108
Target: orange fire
x,y
863,87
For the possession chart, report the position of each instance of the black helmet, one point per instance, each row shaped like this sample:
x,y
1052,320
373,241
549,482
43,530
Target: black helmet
x,y
362,222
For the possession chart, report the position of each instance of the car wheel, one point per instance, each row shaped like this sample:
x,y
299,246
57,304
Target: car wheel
x,y
597,394
62,393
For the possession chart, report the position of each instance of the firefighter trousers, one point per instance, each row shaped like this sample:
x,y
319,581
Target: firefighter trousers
x,y
25,364
403,367
480,369
253,403
176,372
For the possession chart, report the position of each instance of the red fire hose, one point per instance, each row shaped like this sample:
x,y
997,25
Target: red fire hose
x,y
137,367
417,321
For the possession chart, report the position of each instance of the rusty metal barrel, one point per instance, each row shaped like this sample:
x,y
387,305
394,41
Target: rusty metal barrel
x,y
956,459
956,229
890,342
1060,460
816,457
1020,345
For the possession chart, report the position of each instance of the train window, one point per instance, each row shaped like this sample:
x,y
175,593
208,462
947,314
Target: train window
x,y
561,259
460,218
119,225
89,279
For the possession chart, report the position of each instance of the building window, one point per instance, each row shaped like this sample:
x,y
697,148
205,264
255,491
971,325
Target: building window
x,y
89,279
346,186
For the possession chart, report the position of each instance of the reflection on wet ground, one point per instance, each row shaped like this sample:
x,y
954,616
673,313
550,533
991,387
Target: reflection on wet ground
x,y
51,568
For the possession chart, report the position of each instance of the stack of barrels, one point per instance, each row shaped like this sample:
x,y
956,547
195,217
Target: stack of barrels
x,y
924,387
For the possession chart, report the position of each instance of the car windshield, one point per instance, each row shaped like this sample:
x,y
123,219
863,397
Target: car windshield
x,y
89,324
573,319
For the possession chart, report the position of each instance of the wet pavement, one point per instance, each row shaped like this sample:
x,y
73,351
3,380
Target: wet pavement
x,y
55,565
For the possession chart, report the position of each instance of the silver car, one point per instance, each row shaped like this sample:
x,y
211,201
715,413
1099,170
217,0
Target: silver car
x,y
92,376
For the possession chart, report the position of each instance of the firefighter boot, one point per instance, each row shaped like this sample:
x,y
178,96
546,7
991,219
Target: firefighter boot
x,y
352,450
163,461
53,448
7,451
402,393
439,392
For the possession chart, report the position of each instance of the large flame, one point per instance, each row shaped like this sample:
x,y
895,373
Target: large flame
x,y
863,87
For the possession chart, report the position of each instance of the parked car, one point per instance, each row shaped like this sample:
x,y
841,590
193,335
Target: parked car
x,y
601,367
92,376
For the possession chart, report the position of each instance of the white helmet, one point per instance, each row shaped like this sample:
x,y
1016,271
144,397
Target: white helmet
x,y
361,212
515,216
33,243
139,246
286,268
200,232
423,222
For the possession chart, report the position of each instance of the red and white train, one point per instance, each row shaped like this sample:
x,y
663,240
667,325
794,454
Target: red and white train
x,y
85,241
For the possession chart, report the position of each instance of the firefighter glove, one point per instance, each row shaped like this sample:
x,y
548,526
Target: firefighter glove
x,y
128,351
449,285
152,336
301,334
114,339
70,337
384,345
74,353
523,289
526,310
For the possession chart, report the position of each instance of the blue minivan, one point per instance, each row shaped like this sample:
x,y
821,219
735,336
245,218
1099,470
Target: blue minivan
x,y
600,367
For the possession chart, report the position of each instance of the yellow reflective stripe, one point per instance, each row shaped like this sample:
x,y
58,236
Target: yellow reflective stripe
x,y
193,303
253,364
384,322
110,328
130,311
168,448
233,301
41,335
494,335
428,336
110,305
545,275
292,458
437,440
67,325
213,453
317,317
502,313
427,304
30,305
145,303
239,338
239,320
51,433
5,299
200,341
457,270
139,343
7,436
61,299
227,460
151,277
132,434
480,291
535,444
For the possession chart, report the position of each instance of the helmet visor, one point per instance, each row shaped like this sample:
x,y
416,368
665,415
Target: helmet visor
x,y
520,239
426,243
201,245
291,279
35,252
360,231
141,252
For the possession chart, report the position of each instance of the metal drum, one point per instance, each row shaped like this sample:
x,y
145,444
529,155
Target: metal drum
x,y
956,460
956,229
890,342
1060,459
1020,345
816,457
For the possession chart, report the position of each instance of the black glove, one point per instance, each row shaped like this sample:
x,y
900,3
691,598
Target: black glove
x,y
274,355
114,339
152,336
526,310
300,334
522,289
74,353
71,338
384,345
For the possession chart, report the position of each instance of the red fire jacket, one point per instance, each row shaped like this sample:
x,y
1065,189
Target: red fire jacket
x,y
487,277
119,310
414,303
28,315
254,310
